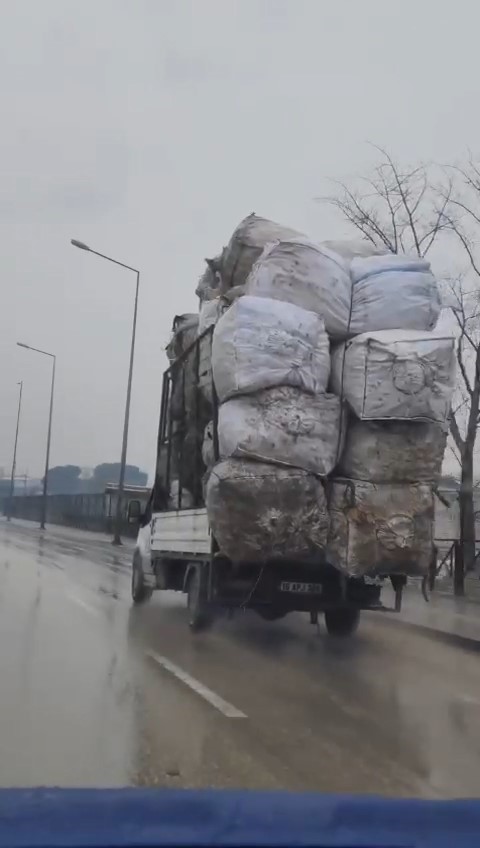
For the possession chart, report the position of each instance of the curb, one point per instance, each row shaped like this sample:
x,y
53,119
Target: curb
x,y
469,643
467,598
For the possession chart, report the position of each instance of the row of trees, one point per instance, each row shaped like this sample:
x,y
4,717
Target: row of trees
x,y
435,211
66,480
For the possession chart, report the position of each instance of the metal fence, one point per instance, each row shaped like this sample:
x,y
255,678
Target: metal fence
x,y
86,512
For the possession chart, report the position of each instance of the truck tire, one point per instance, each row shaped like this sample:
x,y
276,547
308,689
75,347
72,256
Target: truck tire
x,y
342,621
199,614
140,591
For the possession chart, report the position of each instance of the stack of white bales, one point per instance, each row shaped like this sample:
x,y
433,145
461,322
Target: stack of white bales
x,y
398,383
277,431
280,434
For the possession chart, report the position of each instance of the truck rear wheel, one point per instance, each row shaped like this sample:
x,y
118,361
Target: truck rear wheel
x,y
342,621
140,591
199,613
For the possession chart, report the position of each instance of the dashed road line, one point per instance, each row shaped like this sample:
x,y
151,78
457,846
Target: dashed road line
x,y
87,607
468,699
215,700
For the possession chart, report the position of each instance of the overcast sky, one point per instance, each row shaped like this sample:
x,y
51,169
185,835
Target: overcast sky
x,y
148,129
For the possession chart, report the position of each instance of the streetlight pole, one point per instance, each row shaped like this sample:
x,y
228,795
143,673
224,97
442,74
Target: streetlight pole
x,y
43,517
14,461
117,536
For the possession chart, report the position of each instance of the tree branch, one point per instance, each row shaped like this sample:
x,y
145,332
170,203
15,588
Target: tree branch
x,y
404,199
463,239
360,217
457,438
466,209
438,225
460,361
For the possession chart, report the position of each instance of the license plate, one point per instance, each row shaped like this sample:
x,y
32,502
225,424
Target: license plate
x,y
301,588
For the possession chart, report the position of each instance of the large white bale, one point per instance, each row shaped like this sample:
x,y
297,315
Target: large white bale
x,y
184,333
259,343
350,248
208,285
399,374
259,512
366,293
393,451
246,245
212,310
208,449
282,425
307,275
176,500
210,313
393,291
380,528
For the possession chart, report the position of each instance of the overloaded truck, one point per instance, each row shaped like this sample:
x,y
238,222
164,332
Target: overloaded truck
x,y
302,430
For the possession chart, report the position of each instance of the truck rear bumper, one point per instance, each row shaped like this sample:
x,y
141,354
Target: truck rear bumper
x,y
289,587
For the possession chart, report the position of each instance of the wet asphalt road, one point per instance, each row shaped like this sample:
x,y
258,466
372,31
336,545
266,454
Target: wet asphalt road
x,y
91,691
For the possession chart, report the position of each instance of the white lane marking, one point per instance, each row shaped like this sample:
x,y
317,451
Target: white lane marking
x,y
82,604
215,700
468,699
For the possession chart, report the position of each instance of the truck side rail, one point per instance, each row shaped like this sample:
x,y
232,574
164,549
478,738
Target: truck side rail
x,y
189,402
181,533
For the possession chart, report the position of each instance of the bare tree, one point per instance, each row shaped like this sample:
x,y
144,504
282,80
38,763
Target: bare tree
x,y
395,209
405,211
461,214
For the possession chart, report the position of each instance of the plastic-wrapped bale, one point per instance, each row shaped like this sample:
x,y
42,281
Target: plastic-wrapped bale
x,y
208,450
212,310
378,528
186,463
259,512
399,374
210,313
307,275
349,249
282,425
246,245
232,294
180,498
184,333
393,451
354,296
190,371
208,285
260,343
186,458
393,291
191,409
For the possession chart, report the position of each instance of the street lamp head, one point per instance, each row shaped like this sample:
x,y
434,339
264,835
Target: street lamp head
x,y
21,344
79,244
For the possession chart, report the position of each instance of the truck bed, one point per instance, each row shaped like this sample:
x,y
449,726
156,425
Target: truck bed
x,y
181,532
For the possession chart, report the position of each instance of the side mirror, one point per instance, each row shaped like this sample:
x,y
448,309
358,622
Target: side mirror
x,y
134,512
